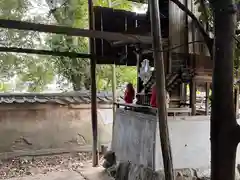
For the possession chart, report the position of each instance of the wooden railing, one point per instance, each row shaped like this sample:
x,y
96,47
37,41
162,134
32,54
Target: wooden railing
x,y
144,99
152,110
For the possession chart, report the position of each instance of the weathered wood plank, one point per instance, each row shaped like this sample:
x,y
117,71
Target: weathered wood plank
x,y
177,27
110,36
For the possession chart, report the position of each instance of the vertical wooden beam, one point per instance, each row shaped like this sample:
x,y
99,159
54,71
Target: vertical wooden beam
x,y
93,89
169,56
183,93
193,96
186,38
138,69
207,88
236,100
160,85
113,98
193,59
113,88
139,57
237,90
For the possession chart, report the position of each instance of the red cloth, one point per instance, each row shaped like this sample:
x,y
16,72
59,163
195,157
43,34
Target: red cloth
x,y
129,96
153,100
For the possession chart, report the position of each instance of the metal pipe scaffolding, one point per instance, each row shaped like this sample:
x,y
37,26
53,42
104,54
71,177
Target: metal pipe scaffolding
x,y
109,36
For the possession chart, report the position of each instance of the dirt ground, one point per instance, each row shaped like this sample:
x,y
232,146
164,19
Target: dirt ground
x,y
57,167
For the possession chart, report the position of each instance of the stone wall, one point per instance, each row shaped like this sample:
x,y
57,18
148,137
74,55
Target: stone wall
x,y
134,137
49,126
189,136
190,142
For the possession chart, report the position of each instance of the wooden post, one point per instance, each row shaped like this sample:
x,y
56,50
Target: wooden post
x,y
237,90
113,98
139,57
113,88
93,89
236,100
183,93
160,85
139,85
207,87
193,96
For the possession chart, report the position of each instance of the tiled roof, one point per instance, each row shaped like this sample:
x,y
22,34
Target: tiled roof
x,y
55,98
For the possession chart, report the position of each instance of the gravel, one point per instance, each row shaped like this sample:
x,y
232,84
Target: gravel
x,y
28,166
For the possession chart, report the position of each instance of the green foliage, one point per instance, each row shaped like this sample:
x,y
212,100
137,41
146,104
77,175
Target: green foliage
x,y
37,72
205,12
74,13
116,4
26,68
14,9
34,73
123,76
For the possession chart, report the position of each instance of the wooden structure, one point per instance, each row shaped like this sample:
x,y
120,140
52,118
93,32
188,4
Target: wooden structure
x,y
127,41
186,58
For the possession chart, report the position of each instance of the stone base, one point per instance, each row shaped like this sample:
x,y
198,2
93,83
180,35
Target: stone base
x,y
128,171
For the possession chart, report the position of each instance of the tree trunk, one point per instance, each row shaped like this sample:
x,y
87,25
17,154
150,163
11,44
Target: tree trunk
x,y
87,83
223,120
77,82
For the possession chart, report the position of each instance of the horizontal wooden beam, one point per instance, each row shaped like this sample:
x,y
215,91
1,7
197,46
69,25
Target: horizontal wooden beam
x,y
55,53
127,42
199,78
109,36
45,52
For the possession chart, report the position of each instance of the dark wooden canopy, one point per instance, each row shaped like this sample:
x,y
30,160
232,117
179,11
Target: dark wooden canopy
x,y
111,20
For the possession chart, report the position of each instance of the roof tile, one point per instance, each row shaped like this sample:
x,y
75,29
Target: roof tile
x,y
56,98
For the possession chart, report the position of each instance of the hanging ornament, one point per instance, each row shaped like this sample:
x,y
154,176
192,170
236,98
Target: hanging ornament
x,y
145,72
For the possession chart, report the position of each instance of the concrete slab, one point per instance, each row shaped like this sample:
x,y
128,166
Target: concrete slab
x,y
86,173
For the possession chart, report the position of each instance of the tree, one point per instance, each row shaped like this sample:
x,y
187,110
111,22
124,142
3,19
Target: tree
x,y
224,128
123,76
19,65
74,13
36,73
